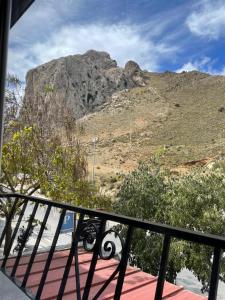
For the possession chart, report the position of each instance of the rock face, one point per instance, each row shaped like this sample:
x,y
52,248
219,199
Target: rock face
x,y
133,71
77,85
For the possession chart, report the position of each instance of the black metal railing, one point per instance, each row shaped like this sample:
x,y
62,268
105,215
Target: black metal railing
x,y
93,234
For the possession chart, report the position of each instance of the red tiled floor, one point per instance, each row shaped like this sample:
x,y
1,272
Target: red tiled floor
x,y
137,284
186,295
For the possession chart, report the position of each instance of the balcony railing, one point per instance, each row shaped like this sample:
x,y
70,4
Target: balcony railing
x,y
92,232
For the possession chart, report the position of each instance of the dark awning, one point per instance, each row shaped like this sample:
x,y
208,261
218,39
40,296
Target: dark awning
x,y
18,9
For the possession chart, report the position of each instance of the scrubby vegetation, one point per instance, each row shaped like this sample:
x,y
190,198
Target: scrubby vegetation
x,y
195,201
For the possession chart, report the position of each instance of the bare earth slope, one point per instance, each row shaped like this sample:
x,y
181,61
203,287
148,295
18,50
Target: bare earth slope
x,y
181,115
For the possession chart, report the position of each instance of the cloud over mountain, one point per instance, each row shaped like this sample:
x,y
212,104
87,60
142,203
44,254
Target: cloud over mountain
x,y
159,37
123,41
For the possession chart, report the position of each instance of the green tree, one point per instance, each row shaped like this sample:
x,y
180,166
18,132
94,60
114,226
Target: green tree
x,y
195,201
142,196
31,163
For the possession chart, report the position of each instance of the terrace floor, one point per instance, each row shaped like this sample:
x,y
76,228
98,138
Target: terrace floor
x,y
137,284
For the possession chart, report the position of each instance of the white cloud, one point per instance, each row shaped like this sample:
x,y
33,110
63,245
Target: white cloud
x,y
199,65
205,64
55,28
208,19
189,66
122,41
43,18
39,22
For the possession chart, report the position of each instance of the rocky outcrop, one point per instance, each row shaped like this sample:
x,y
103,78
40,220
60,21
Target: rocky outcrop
x,y
133,71
76,85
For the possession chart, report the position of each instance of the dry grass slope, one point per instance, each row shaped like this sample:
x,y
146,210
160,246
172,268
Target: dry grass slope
x,y
182,115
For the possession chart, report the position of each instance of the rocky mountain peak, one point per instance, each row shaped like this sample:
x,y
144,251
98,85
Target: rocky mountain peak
x,y
101,58
77,84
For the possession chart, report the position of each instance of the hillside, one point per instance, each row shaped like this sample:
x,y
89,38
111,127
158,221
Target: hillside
x,y
179,115
135,113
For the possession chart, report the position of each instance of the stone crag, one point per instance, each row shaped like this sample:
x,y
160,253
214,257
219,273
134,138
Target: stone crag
x,y
76,85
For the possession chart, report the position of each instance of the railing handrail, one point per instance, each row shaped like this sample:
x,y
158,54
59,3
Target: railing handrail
x,y
176,232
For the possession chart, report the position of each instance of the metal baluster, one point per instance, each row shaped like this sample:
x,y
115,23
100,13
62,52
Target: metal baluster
x,y
163,266
26,234
9,219
215,274
93,261
123,263
77,271
70,260
14,234
27,272
50,255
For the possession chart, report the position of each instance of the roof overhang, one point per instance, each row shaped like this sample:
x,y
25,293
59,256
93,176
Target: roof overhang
x,y
18,9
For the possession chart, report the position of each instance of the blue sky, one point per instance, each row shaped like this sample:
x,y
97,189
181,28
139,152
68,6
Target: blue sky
x,y
160,35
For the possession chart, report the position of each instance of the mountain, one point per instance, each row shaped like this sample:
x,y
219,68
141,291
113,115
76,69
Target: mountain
x,y
76,85
132,114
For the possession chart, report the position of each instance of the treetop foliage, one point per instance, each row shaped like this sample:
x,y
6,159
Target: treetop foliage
x,y
195,201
